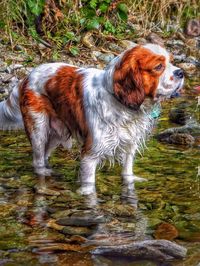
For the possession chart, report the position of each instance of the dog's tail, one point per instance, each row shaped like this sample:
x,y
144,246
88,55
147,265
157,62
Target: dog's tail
x,y
10,113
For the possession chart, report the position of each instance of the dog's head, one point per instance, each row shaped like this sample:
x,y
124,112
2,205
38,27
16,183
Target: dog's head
x,y
145,71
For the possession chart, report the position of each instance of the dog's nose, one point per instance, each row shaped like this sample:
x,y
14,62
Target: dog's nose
x,y
178,73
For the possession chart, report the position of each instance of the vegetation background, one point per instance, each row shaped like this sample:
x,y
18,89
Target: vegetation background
x,y
60,25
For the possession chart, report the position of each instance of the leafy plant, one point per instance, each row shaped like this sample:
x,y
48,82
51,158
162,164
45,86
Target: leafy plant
x,y
98,14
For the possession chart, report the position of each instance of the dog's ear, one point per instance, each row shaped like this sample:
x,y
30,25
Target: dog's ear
x,y
127,81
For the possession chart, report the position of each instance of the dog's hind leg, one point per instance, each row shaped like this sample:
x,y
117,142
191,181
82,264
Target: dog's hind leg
x,y
36,110
39,138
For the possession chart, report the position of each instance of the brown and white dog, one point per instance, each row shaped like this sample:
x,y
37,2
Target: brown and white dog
x,y
108,111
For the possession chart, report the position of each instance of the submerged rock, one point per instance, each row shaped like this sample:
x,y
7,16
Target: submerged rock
x,y
63,213
184,135
160,250
77,230
179,114
176,138
119,210
82,219
166,231
46,191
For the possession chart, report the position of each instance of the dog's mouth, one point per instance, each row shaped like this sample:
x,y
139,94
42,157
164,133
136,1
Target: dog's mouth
x,y
177,92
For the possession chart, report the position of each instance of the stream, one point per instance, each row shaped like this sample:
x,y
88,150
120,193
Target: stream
x,y
34,211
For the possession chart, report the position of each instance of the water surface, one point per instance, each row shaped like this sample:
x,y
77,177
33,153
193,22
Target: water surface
x,y
170,195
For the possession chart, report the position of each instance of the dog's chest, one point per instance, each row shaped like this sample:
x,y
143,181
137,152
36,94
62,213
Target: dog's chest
x,y
121,134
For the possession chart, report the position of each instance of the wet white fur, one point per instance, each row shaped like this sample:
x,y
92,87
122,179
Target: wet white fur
x,y
117,131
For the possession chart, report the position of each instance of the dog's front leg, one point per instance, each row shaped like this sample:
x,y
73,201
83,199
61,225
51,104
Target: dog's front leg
x,y
87,174
127,171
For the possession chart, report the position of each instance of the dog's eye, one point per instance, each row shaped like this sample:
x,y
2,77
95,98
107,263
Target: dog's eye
x,y
158,67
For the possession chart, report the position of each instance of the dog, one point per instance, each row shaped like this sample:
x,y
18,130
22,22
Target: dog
x,y
108,111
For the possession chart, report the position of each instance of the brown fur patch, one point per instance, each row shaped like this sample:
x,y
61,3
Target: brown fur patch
x,y
65,91
135,77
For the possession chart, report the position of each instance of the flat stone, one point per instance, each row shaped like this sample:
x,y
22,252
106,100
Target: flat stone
x,y
62,214
160,250
52,224
74,230
82,220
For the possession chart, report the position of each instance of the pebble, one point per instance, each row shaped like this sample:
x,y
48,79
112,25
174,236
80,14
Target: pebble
x,y
106,57
126,44
193,27
155,38
5,77
13,67
179,57
173,43
18,47
141,41
114,47
189,68
3,66
192,43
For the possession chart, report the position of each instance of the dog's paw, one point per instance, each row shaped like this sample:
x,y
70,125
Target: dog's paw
x,y
43,171
130,179
139,179
86,190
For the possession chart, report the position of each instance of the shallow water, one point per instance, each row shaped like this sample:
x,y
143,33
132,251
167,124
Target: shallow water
x,y
170,195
